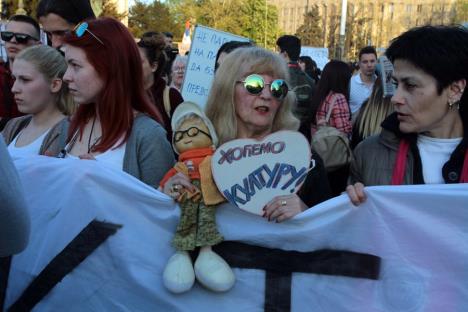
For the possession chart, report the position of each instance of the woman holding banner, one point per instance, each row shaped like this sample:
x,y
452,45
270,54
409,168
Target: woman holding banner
x,y
426,140
115,122
249,99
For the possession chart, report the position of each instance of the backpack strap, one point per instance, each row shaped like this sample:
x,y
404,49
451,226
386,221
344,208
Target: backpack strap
x,y
400,163
167,101
332,100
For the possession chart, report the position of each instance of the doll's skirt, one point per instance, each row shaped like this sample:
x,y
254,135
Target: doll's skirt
x,y
197,225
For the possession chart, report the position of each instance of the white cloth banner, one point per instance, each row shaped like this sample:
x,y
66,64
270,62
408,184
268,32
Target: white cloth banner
x,y
420,232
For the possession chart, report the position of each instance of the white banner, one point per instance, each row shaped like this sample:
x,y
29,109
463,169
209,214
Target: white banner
x,y
419,232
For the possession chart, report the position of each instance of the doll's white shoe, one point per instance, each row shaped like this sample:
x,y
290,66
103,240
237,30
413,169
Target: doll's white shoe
x,y
178,275
213,272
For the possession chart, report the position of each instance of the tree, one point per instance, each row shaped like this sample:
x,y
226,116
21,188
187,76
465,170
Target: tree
x,y
107,8
10,6
151,17
357,35
310,32
259,22
460,8
248,18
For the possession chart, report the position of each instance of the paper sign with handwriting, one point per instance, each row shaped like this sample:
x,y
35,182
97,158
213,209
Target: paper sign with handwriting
x,y
249,173
199,72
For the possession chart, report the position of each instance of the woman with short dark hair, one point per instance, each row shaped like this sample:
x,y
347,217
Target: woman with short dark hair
x,y
426,140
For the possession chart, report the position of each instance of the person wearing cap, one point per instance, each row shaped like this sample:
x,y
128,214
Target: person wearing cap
x,y
190,182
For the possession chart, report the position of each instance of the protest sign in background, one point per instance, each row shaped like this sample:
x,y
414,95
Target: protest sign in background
x,y
319,55
3,54
418,232
199,72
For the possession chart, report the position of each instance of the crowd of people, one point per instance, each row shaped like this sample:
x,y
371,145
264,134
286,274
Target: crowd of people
x,y
98,94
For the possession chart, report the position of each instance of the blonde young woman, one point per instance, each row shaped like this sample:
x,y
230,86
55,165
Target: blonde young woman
x,y
372,113
40,92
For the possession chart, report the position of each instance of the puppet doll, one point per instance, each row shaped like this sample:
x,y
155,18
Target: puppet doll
x,y
194,139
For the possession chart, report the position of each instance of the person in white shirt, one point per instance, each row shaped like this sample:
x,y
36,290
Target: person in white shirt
x,y
363,81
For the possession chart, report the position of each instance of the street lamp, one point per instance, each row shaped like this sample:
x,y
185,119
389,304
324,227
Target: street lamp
x,y
344,8
266,19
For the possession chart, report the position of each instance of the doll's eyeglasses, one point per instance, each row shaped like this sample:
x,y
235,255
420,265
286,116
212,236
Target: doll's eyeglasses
x,y
254,84
80,30
191,132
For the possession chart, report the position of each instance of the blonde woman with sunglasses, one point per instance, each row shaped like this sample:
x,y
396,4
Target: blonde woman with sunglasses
x,y
250,99
39,92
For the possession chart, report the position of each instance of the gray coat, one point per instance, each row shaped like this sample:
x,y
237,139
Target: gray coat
x,y
374,160
14,219
148,154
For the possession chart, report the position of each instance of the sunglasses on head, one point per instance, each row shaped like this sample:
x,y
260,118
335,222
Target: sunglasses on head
x,y
20,38
80,30
191,132
254,84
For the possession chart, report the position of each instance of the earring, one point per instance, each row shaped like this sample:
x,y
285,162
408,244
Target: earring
x,y
456,103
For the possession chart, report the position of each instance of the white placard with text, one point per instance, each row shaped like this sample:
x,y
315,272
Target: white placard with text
x,y
199,72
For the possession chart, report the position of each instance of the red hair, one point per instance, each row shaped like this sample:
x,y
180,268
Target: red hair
x,y
118,64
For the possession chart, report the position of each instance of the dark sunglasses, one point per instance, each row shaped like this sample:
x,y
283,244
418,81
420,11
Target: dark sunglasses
x,y
20,38
191,132
254,84
80,30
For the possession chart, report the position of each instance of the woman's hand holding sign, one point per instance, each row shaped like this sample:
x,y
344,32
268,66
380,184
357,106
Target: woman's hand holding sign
x,y
282,208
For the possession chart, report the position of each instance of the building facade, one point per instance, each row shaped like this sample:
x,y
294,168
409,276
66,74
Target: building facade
x,y
369,22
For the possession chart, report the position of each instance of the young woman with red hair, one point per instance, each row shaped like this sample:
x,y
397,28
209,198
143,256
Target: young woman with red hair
x,y
115,123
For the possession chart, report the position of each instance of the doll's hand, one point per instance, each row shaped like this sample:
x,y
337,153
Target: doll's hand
x,y
282,208
175,185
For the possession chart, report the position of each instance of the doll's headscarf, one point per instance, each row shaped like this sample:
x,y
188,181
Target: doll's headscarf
x,y
190,108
